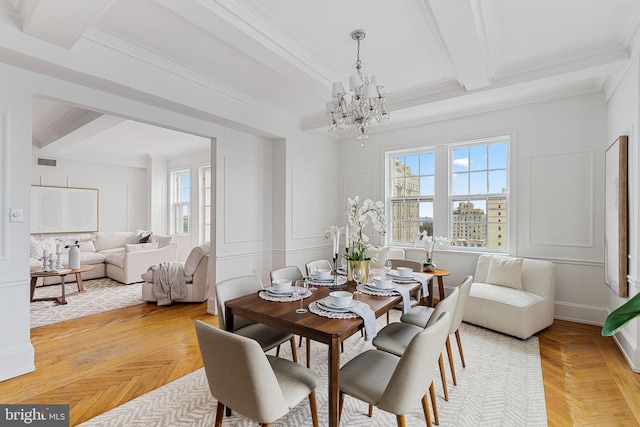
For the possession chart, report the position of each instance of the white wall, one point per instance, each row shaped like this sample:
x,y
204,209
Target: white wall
x,y
545,137
622,119
121,190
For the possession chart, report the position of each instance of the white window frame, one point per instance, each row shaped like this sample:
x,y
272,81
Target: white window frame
x,y
443,198
176,203
205,220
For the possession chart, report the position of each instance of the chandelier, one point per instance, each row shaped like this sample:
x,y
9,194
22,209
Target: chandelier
x,y
365,102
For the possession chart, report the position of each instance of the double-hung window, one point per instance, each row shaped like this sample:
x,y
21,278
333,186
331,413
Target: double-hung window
x,y
479,196
412,189
465,198
180,200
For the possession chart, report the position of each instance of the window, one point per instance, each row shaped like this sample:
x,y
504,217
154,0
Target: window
x,y
205,204
412,192
180,201
467,200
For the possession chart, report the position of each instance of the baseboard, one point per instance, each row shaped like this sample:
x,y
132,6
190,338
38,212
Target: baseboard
x,y
629,350
580,313
17,362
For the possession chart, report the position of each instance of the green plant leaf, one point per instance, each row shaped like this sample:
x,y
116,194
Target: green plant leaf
x,y
621,316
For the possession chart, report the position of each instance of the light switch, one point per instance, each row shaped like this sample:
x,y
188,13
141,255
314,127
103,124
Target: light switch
x,y
15,215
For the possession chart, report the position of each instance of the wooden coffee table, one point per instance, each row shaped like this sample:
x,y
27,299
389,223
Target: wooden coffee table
x,y
62,299
439,273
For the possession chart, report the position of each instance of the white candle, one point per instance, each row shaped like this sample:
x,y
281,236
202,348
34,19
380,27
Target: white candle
x,y
45,254
346,237
58,248
337,242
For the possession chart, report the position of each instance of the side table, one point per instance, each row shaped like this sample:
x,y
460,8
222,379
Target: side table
x,y
62,299
439,273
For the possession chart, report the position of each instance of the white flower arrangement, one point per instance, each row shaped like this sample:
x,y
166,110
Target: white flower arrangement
x,y
430,243
358,217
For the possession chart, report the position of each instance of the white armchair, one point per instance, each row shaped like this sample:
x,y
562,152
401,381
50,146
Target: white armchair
x,y
517,302
196,272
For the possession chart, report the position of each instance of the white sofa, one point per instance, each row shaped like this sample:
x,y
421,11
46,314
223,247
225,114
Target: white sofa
x,y
504,308
116,254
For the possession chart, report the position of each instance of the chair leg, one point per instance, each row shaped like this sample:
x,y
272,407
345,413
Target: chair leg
x,y
265,424
453,368
308,352
434,403
219,414
425,409
401,421
443,376
387,317
370,411
314,408
300,341
294,352
278,351
460,347
340,406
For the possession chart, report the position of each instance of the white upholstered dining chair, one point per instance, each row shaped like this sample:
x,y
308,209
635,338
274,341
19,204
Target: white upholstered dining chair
x,y
243,378
396,384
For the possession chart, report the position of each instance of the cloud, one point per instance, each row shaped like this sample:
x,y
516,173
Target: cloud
x,y
461,162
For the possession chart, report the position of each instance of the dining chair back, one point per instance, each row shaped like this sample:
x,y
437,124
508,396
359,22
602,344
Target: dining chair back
x,y
266,336
292,273
396,384
320,263
416,265
242,377
464,288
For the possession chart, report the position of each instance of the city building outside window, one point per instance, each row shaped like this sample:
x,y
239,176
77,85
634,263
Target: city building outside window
x,y
475,183
180,201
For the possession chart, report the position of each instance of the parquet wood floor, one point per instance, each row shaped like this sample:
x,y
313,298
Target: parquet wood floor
x,y
99,362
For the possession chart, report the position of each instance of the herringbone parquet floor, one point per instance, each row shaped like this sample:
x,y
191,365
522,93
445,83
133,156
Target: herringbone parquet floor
x,y
98,362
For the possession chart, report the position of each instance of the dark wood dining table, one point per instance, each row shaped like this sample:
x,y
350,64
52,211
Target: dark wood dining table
x,y
333,332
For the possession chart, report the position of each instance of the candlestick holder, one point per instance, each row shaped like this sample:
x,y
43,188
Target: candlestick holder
x,y
58,260
45,263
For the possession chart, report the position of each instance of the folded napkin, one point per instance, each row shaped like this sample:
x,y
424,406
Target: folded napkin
x,y
406,299
369,318
423,278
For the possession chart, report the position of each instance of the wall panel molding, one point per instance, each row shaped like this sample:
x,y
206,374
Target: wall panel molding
x,y
312,202
562,218
4,186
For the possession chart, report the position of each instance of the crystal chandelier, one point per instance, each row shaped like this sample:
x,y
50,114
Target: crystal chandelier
x,y
365,102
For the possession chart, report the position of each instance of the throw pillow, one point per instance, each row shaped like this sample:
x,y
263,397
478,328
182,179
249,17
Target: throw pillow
x,y
39,245
505,271
136,247
194,258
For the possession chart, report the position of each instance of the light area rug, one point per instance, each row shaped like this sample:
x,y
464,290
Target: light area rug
x,y
501,386
100,295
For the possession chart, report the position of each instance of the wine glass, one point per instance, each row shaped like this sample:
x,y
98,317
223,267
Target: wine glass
x,y
358,275
343,264
387,266
313,271
302,287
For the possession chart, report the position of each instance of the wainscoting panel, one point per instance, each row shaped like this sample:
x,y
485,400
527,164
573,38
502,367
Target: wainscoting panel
x,y
4,188
312,202
244,211
562,218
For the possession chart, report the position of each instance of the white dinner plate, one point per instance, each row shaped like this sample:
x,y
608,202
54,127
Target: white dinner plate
x,y
273,291
325,304
373,287
329,280
395,275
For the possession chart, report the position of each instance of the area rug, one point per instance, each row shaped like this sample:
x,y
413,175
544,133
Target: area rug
x,y
501,386
100,295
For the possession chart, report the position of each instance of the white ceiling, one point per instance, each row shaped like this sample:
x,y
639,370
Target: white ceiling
x,y
437,58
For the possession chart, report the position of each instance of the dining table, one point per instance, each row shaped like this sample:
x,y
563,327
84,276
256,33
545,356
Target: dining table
x,y
330,331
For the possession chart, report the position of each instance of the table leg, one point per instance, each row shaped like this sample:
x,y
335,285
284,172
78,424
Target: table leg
x,y
63,298
440,288
79,282
430,297
334,382
34,281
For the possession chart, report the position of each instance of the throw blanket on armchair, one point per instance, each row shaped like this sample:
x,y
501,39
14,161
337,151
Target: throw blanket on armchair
x,y
168,282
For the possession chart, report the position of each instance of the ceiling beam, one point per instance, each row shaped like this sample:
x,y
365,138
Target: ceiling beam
x,y
62,22
98,124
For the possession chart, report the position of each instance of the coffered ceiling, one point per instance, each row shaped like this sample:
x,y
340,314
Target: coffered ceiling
x,y
437,58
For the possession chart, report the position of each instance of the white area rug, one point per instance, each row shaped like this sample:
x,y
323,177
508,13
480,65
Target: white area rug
x,y
501,386
100,295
